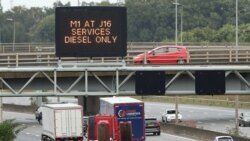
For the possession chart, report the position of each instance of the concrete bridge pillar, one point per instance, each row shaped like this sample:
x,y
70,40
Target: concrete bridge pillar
x,y
90,104
1,110
1,104
37,101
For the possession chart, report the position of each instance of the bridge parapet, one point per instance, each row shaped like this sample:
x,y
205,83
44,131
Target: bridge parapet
x,y
44,54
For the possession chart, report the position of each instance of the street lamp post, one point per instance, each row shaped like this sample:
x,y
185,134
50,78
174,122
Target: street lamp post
x,y
0,37
236,31
181,23
176,21
237,47
14,32
176,42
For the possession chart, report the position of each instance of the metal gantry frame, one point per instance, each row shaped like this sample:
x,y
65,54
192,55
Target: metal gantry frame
x,y
126,71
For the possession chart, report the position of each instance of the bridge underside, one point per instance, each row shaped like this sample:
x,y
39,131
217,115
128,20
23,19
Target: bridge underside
x,y
110,81
89,83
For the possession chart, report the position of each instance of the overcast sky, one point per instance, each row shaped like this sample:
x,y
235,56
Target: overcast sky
x,y
41,3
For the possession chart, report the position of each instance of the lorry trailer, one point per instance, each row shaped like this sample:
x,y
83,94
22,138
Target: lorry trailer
x,y
126,109
62,122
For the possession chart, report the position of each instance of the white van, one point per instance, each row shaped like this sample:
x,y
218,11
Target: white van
x,y
170,116
223,138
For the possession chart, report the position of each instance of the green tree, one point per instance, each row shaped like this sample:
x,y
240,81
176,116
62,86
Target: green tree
x,y
205,34
226,34
104,3
147,20
9,129
1,8
149,17
244,33
44,31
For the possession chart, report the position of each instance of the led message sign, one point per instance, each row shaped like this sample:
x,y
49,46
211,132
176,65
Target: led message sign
x,y
91,31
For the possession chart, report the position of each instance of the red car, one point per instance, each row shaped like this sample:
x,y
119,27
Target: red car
x,y
164,55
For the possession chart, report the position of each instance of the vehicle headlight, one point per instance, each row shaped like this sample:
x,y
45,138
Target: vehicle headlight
x,y
180,116
246,120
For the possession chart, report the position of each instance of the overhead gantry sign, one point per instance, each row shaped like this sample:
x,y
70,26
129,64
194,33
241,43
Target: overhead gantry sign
x,y
91,32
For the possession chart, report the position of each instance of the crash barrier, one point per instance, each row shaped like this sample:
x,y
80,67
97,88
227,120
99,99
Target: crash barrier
x,y
229,102
195,133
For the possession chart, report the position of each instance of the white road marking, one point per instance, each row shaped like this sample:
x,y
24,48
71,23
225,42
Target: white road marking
x,y
179,137
213,124
195,107
36,135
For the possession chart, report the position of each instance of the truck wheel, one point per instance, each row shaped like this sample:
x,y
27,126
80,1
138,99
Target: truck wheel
x,y
162,120
49,139
181,61
43,138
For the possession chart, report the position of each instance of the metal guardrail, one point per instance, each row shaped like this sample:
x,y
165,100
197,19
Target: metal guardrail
x,y
199,101
44,54
227,103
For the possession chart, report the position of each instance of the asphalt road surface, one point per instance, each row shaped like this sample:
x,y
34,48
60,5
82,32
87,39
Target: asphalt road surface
x,y
207,117
32,133
33,130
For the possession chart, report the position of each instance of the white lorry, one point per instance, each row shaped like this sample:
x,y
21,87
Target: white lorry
x,y
62,122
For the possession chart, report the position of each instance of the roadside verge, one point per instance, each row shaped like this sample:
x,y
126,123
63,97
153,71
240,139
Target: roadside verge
x,y
195,133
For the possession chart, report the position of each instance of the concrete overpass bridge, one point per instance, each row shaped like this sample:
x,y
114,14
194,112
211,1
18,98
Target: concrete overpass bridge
x,y
32,71
111,80
88,83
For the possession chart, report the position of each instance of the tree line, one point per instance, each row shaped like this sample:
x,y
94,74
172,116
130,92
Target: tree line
x,y
147,21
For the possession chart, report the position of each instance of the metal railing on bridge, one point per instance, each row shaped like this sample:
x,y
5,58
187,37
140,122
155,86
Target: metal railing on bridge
x,y
44,54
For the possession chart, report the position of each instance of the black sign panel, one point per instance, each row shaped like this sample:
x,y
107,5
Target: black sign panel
x,y
150,82
91,31
210,82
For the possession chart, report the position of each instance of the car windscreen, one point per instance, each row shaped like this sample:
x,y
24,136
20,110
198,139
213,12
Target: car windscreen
x,y
150,121
171,112
247,114
225,139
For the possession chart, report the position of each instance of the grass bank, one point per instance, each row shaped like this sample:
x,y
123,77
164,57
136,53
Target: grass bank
x,y
222,101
